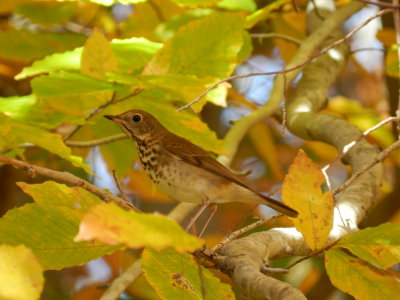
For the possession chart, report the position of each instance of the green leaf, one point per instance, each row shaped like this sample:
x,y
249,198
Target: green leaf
x,y
212,54
379,245
134,53
52,193
35,112
359,279
172,84
65,83
49,231
178,276
46,13
98,57
24,45
21,276
249,5
131,54
112,225
13,133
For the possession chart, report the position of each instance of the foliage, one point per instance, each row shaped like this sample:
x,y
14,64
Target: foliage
x,y
65,64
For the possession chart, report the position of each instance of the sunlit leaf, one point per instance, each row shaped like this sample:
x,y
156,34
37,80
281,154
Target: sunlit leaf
x,y
52,193
66,83
379,245
21,276
49,231
98,57
112,225
302,190
25,45
249,5
359,279
35,112
14,133
213,54
178,276
131,54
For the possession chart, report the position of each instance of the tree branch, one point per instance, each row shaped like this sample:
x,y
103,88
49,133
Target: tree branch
x,y
244,258
97,142
68,177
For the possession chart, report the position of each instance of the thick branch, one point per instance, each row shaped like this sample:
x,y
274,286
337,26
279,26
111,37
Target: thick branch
x,y
303,120
68,177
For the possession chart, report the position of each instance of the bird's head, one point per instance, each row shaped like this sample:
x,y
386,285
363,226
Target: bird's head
x,y
137,124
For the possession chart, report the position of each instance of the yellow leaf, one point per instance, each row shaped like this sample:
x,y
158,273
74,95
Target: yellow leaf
x,y
112,225
21,276
301,190
360,279
98,57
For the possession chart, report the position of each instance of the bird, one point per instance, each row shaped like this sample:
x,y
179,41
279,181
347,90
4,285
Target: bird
x,y
184,171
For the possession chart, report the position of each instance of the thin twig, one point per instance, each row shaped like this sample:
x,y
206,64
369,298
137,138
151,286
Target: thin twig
x,y
68,177
350,145
261,36
118,183
299,66
96,142
243,230
283,132
102,107
379,158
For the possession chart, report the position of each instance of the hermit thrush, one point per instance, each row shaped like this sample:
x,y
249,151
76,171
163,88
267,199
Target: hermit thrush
x,y
183,170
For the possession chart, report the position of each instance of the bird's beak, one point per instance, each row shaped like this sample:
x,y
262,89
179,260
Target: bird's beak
x,y
110,117
116,119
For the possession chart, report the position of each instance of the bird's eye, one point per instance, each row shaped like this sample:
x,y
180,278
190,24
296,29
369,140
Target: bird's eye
x,y
136,118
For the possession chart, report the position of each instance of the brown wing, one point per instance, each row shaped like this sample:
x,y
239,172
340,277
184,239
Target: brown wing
x,y
197,157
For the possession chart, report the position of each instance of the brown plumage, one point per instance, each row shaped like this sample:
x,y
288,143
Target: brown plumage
x,y
183,170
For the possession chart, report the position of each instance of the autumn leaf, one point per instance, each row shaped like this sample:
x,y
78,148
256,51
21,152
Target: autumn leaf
x,y
21,276
98,57
379,245
301,190
359,279
112,225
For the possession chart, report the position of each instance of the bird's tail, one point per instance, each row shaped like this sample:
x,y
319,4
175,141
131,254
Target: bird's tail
x,y
279,206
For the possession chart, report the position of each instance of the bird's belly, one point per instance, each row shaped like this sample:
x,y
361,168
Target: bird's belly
x,y
187,183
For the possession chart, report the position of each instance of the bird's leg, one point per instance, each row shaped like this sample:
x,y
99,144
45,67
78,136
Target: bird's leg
x,y
213,210
198,213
